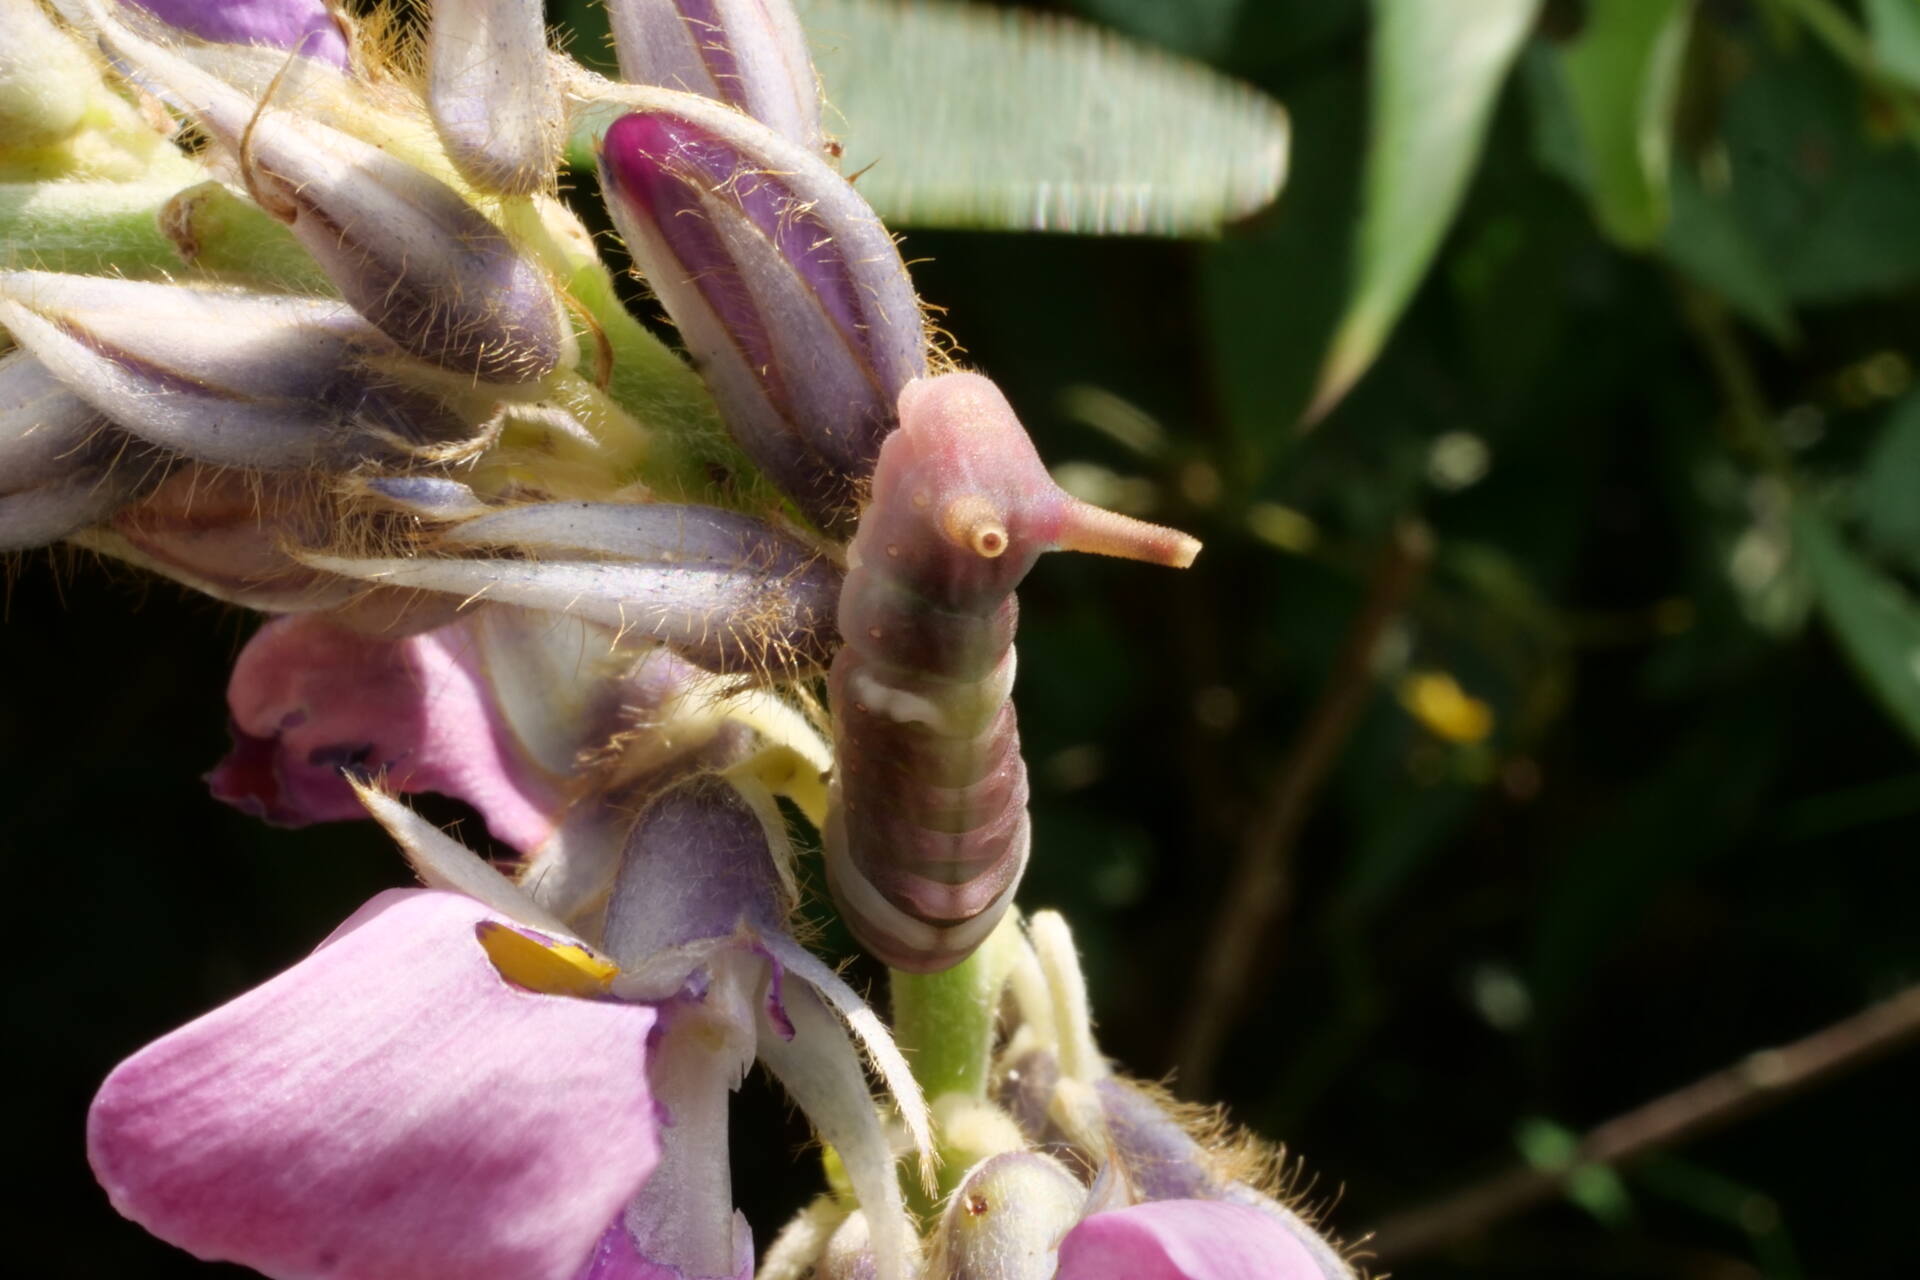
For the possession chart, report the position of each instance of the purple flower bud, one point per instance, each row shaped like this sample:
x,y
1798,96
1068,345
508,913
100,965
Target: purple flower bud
x,y
724,590
303,26
789,293
750,54
699,862
413,257
492,93
1006,1220
222,375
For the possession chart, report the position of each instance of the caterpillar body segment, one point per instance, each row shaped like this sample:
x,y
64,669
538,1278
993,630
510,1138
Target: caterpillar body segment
x,y
927,832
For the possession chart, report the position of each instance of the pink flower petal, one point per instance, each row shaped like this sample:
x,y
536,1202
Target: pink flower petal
x,y
618,1257
390,1108
1183,1240
309,698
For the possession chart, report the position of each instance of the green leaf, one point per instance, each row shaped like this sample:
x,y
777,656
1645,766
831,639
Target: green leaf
x,y
1890,483
1829,206
1706,240
1623,78
1894,27
1877,622
1437,70
994,119
1263,340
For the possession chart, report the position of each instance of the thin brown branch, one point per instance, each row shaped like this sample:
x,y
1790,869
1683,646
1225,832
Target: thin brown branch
x,y
1260,891
1755,1082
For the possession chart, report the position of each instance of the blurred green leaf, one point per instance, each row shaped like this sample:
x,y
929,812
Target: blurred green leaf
x,y
1623,78
1877,622
1894,26
1554,1148
1198,28
1890,483
987,118
1704,239
1437,70
1273,296
1825,196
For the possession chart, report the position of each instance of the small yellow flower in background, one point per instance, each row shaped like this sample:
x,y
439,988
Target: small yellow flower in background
x,y
1437,701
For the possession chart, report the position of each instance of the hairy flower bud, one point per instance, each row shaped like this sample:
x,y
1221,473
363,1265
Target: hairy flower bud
x,y
222,375
57,458
1006,1220
1162,1162
848,1254
492,92
39,71
305,27
725,590
788,291
224,532
749,54
413,257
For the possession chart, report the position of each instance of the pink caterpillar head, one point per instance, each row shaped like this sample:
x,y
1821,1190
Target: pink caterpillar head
x,y
962,505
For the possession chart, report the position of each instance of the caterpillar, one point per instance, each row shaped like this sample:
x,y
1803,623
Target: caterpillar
x,y
927,831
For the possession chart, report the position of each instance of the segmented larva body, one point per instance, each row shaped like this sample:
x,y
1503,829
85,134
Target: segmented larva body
x,y
927,834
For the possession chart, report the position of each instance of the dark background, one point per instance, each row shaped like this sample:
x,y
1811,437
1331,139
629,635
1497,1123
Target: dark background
x,y
1688,834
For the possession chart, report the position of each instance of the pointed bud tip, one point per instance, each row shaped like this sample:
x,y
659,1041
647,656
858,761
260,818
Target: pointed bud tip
x,y
1100,532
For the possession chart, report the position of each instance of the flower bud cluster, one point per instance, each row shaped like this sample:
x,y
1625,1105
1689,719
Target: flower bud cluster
x,y
1069,1172
334,348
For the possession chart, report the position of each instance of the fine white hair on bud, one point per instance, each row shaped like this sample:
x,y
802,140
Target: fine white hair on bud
x,y
406,250
1006,1220
785,286
749,54
222,375
39,72
493,95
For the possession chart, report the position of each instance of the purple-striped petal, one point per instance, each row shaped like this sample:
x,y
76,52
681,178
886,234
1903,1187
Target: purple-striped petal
x,y
750,54
390,1106
304,26
1183,1240
788,291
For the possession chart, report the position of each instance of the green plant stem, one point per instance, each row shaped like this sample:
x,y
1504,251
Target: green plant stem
x,y
88,227
943,1023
